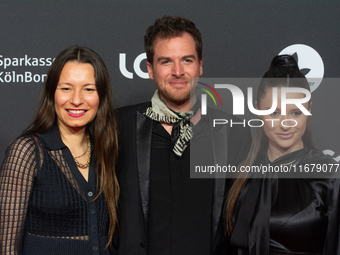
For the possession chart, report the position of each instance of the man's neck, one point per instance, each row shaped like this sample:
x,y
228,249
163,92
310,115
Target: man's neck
x,y
180,107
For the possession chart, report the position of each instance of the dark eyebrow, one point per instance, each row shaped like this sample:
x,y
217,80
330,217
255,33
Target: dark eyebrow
x,y
295,110
162,58
276,109
168,58
64,83
189,56
69,84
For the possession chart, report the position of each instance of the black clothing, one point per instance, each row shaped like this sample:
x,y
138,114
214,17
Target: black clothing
x,y
46,205
170,184
288,216
134,176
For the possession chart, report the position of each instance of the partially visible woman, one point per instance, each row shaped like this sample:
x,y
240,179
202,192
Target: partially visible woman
x,y
276,215
58,188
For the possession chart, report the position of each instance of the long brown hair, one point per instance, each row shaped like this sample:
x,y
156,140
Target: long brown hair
x,y
102,127
284,72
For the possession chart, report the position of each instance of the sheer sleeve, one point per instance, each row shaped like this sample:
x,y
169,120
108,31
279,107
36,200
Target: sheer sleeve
x,y
16,181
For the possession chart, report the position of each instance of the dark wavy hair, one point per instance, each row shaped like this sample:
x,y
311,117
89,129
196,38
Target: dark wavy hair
x,y
102,128
284,72
170,27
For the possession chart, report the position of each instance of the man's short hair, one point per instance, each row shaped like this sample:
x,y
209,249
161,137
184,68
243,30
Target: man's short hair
x,y
169,27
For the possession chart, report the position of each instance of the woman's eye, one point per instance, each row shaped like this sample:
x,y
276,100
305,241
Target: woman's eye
x,y
297,113
65,89
275,114
89,90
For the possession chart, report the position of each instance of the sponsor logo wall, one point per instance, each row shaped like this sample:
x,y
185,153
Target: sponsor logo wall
x,y
239,40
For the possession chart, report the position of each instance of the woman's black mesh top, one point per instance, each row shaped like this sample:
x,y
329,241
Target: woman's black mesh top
x,y
46,205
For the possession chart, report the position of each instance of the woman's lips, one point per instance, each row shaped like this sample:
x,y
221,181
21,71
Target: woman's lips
x,y
285,135
76,113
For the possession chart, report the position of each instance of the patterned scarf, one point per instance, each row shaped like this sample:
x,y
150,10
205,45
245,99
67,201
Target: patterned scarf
x,y
181,131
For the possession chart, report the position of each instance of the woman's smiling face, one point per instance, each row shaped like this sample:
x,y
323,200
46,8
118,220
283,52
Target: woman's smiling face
x,y
284,132
76,99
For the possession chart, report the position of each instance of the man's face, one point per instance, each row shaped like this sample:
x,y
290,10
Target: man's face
x,y
175,61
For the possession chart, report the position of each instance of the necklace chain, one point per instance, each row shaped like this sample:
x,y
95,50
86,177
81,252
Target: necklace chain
x,y
88,150
84,151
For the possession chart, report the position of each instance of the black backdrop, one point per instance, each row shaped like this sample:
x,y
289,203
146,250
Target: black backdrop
x,y
240,38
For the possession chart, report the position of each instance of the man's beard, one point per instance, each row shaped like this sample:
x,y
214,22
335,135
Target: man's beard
x,y
180,97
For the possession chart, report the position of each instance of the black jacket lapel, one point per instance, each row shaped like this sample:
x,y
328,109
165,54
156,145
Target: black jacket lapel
x,y
143,142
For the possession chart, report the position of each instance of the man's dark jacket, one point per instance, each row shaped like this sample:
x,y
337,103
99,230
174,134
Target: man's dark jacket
x,y
133,172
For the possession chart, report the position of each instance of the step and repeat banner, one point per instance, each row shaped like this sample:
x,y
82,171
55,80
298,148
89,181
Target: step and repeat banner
x,y
239,40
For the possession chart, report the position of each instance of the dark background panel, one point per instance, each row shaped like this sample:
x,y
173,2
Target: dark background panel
x,y
240,38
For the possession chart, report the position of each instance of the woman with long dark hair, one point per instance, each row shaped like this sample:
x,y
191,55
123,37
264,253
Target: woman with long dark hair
x,y
271,214
58,188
